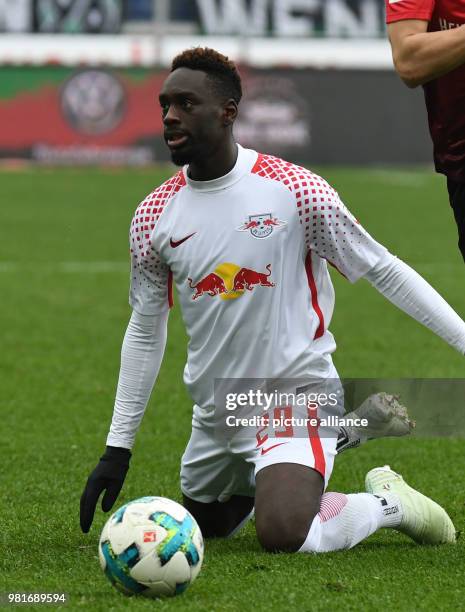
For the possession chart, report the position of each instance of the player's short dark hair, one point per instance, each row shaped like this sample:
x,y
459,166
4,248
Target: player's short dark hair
x,y
222,72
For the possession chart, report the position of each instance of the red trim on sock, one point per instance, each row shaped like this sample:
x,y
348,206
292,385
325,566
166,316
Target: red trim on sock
x,y
331,505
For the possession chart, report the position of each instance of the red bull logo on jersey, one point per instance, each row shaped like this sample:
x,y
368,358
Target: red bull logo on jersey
x,y
229,281
210,285
261,226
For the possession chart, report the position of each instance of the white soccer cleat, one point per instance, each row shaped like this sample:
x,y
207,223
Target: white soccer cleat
x,y
386,417
423,519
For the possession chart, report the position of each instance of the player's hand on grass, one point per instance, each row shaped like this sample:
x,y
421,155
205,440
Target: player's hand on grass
x,y
108,476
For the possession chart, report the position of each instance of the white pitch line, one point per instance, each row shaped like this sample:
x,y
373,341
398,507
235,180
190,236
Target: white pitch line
x,y
398,178
77,267
438,267
94,266
67,267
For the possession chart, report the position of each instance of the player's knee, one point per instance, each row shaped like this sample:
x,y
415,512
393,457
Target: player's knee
x,y
282,533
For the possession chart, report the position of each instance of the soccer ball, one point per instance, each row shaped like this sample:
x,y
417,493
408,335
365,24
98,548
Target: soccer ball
x,y
151,546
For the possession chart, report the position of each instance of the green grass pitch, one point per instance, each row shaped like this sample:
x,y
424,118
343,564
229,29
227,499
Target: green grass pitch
x,y
64,282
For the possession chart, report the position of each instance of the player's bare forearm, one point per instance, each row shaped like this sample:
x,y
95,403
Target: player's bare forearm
x,y
420,56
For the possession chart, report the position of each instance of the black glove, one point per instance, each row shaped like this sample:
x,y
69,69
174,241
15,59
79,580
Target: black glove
x,y
108,476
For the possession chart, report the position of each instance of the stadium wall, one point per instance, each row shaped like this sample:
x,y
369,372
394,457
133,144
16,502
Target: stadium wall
x,y
64,115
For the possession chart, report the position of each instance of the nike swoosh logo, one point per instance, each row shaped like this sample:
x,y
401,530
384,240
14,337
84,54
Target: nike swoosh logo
x,y
266,450
176,243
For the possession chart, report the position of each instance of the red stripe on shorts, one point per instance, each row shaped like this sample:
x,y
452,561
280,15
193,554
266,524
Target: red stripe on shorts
x,y
315,442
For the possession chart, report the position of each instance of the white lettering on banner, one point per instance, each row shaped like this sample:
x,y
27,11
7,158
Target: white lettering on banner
x,y
287,24
233,16
292,17
340,20
15,15
78,15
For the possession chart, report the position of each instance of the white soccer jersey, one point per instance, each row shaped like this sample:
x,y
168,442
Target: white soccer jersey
x,y
248,253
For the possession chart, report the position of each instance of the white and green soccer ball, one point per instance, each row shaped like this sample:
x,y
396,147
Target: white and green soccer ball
x,y
152,547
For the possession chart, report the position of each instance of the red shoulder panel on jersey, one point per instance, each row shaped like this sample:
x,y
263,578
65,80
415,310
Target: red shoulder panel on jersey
x,y
309,189
147,214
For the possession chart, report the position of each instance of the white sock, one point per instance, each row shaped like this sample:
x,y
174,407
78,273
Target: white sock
x,y
346,520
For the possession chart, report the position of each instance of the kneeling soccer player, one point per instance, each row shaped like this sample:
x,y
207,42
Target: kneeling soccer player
x,y
246,237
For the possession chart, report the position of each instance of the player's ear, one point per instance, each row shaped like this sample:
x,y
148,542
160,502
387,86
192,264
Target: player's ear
x,y
229,112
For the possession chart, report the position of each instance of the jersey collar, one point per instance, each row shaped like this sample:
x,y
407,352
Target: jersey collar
x,y
246,159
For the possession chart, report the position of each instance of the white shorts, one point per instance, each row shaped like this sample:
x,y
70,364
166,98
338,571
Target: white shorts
x,y
214,469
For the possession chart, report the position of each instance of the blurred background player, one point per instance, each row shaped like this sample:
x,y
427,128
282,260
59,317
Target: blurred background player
x,y
265,328
428,47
